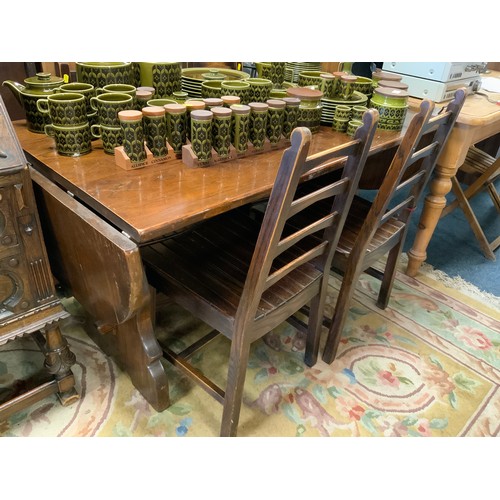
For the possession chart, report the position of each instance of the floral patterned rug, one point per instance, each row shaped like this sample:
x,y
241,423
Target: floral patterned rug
x,y
429,365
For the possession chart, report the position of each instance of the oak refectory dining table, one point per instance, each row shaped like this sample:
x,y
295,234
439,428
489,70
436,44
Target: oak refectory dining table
x,y
96,216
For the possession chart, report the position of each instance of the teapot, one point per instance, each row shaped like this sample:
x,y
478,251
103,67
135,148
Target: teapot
x,y
36,87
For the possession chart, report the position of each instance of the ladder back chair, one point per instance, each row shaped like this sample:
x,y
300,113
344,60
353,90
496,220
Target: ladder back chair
x,y
374,229
244,277
480,171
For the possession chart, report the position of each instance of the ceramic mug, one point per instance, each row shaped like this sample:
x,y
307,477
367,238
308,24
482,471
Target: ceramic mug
x,y
108,105
239,88
120,88
352,126
64,109
211,88
72,140
340,125
260,89
111,137
86,89
358,112
342,112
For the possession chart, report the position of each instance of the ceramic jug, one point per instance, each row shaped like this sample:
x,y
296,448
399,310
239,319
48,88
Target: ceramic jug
x,y
36,87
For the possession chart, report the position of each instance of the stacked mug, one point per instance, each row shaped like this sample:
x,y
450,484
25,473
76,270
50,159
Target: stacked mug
x,y
69,122
108,129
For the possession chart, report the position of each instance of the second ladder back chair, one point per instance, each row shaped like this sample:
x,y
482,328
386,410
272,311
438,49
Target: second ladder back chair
x,y
244,277
374,229
480,171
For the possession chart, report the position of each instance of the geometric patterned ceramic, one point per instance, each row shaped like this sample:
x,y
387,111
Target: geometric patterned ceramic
x,y
275,118
310,117
111,137
166,78
291,115
36,121
133,135
352,126
309,78
240,127
65,109
201,134
99,74
192,78
258,124
363,85
295,68
211,88
329,105
176,126
155,130
238,88
391,117
71,141
340,125
108,105
260,88
221,131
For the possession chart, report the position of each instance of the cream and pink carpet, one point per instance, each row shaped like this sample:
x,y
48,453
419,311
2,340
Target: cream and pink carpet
x,y
429,365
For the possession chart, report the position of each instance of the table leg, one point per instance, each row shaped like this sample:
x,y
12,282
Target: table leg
x,y
58,361
434,204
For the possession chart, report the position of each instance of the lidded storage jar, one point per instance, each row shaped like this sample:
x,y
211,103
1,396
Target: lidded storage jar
x,y
392,105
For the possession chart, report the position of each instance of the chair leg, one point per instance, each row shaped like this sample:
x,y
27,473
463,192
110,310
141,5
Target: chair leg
x,y
344,298
389,274
471,217
238,362
314,330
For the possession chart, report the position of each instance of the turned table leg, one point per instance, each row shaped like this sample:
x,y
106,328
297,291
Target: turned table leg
x,y
434,204
58,361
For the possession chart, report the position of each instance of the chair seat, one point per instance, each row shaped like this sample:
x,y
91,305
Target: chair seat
x,y
355,219
211,262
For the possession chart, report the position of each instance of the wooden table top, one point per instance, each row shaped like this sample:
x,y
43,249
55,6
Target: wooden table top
x,y
155,201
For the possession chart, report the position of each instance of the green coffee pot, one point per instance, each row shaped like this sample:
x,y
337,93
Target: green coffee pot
x,y
35,87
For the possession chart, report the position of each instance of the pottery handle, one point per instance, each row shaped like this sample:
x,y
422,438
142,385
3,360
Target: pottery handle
x,y
42,105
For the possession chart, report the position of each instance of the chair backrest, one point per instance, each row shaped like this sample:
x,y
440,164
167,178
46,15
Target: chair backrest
x,y
266,268
412,165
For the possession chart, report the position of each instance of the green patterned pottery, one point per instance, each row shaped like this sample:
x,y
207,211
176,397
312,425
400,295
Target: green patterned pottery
x,y
111,137
258,123
260,89
165,77
65,109
221,130
155,129
133,135
100,74
240,127
176,126
201,134
72,140
108,105
275,118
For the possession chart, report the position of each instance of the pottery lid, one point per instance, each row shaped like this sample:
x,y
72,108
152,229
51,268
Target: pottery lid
x,y
153,111
388,92
240,109
348,78
276,103
175,109
201,114
146,89
304,93
192,104
338,74
393,84
143,94
382,75
214,74
41,80
129,115
231,99
327,76
258,106
213,101
292,101
221,111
